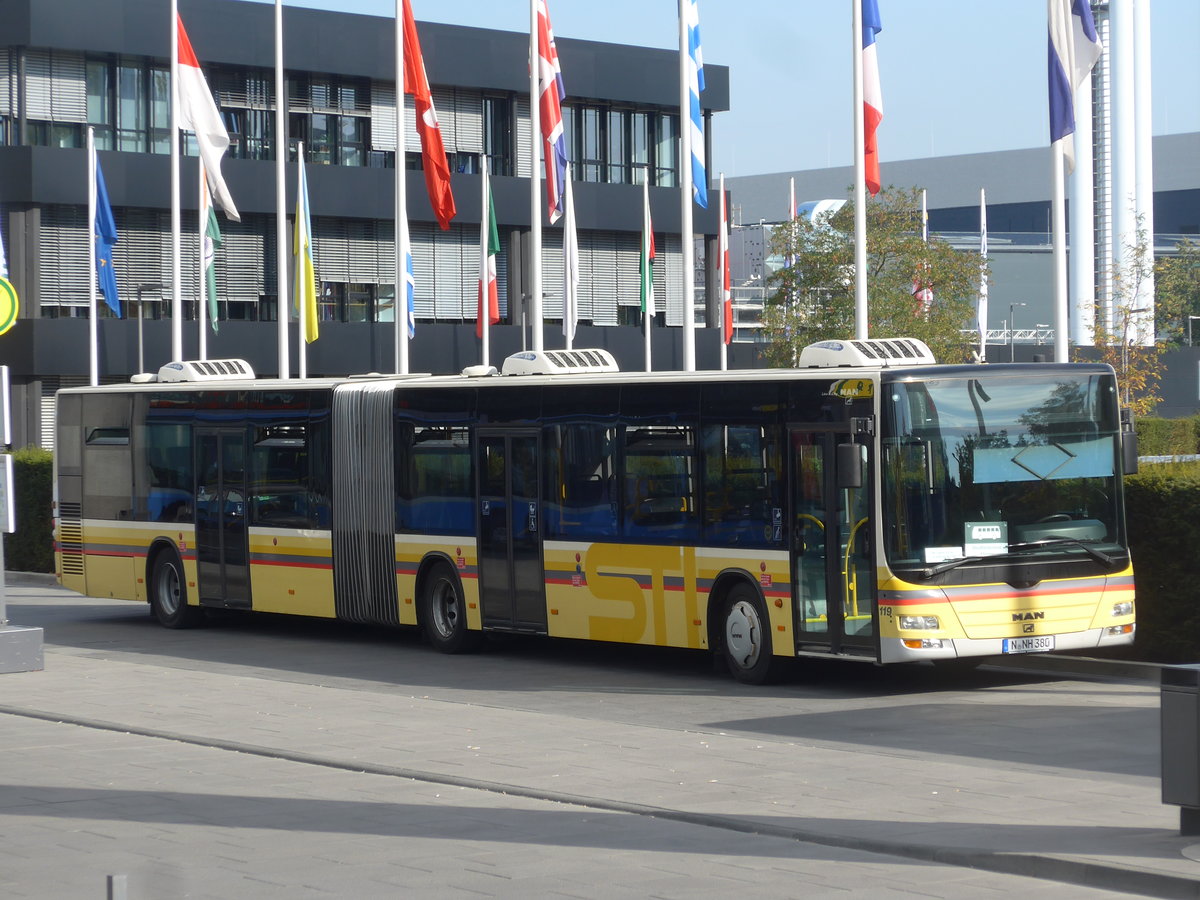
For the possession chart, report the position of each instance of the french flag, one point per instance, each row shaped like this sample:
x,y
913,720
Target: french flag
x,y
872,95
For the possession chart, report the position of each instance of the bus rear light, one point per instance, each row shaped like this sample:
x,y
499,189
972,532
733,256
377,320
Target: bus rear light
x,y
1124,608
1118,629
919,623
923,644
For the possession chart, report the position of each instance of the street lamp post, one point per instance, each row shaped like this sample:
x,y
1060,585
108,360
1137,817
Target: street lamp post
x,y
1011,328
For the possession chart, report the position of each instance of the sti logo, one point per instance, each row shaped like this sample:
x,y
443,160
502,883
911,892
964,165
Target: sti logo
x,y
985,533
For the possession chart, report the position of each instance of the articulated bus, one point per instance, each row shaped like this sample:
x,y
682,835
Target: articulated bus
x,y
868,503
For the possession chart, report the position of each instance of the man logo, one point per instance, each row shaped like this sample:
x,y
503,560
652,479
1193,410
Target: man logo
x,y
1027,629
1027,616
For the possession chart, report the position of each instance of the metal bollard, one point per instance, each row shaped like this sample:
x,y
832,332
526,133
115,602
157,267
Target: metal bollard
x,y
1180,716
118,887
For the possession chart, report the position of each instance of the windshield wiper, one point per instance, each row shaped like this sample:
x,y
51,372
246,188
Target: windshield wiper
x,y
1083,545
1018,549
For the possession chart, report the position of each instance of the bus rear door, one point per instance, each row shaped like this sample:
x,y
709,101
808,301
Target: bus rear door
x,y
511,583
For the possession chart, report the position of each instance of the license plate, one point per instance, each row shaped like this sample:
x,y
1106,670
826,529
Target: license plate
x,y
1039,644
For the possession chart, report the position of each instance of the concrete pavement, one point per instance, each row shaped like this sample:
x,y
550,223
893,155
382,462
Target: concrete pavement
x,y
221,781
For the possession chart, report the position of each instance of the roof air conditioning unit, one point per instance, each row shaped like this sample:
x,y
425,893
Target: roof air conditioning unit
x,y
206,370
560,362
873,352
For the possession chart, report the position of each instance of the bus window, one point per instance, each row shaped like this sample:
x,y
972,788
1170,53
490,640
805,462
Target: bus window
x,y
278,485
660,466
441,498
581,481
742,479
107,463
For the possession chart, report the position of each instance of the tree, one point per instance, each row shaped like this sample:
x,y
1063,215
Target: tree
x,y
1127,338
814,295
1177,293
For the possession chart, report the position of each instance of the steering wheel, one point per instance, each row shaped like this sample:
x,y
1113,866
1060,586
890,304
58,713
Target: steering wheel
x,y
1054,517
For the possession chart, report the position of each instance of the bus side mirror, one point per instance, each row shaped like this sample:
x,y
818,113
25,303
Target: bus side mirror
x,y
1129,444
1129,452
849,466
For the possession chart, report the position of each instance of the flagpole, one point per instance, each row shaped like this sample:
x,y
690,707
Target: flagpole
x,y
484,310
647,268
1059,243
535,187
281,153
860,182
981,311
93,325
570,263
301,299
401,211
685,193
201,308
176,224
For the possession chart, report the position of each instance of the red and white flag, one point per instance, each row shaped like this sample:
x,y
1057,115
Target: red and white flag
x,y
550,96
198,113
433,151
872,94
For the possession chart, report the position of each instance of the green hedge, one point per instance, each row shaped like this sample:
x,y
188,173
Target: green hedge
x,y
1162,501
1168,437
31,547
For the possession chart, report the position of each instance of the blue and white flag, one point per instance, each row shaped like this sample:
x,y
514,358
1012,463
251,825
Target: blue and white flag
x,y
104,226
1074,49
695,70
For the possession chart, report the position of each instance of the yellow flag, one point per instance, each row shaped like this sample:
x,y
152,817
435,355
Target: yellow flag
x,y
304,287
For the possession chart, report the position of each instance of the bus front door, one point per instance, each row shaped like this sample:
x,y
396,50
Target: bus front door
x,y
831,573
222,552
511,584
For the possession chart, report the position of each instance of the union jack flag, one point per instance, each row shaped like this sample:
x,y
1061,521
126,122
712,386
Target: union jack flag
x,y
550,97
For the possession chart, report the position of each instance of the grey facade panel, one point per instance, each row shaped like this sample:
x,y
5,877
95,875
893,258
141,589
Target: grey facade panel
x,y
235,32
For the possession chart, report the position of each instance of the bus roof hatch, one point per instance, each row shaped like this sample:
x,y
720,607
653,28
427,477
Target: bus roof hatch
x,y
559,362
872,352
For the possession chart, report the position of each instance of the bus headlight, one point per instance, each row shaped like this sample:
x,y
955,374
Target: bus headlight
x,y
1125,608
919,623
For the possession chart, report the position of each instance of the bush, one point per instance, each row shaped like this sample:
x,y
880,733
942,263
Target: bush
x,y
31,547
1168,437
1161,504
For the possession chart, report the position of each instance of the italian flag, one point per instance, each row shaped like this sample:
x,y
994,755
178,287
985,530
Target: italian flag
x,y
489,246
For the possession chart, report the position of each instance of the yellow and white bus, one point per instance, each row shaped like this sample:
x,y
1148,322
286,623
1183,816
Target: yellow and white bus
x,y
868,503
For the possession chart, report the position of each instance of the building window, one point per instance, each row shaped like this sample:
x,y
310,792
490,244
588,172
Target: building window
x,y
498,134
620,146
99,102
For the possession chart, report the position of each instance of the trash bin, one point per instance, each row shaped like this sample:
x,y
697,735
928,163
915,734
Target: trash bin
x,y
1180,709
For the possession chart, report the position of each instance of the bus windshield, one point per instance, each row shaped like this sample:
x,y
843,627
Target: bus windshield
x,y
1014,466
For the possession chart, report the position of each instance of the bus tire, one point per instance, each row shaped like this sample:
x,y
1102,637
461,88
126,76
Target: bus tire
x,y
746,636
444,612
168,593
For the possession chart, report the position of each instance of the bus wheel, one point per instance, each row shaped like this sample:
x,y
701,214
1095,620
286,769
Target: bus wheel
x,y
168,593
746,636
444,614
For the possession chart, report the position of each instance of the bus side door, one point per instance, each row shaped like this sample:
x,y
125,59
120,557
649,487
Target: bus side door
x,y
222,549
831,570
511,580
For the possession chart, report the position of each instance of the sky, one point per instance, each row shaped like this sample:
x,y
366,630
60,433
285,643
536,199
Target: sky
x,y
958,76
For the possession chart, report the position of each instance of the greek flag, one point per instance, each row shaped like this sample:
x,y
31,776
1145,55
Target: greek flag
x,y
695,71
